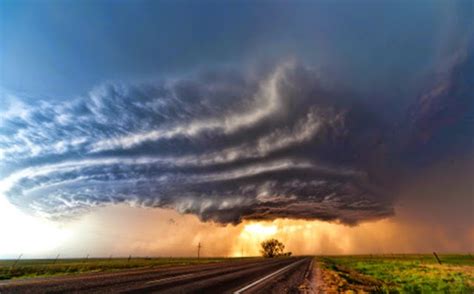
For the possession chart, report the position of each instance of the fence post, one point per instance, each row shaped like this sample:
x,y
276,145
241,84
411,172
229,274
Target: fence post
x,y
437,258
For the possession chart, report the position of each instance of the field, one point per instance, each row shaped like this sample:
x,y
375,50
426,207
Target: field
x,y
414,273
10,269
397,273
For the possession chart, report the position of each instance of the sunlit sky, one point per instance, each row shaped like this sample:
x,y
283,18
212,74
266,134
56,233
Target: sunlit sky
x,y
147,127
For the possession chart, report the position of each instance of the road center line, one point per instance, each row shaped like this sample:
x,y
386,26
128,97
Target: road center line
x,y
170,278
267,277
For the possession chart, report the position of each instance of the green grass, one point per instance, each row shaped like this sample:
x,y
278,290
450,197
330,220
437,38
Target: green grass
x,y
50,267
409,273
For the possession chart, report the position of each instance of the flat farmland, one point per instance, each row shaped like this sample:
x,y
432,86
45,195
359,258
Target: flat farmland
x,y
28,268
412,273
391,273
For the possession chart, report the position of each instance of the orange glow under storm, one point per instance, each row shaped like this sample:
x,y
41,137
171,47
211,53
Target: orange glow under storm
x,y
159,232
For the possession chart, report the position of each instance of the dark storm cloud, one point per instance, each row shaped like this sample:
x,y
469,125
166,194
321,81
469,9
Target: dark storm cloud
x,y
228,145
441,121
223,145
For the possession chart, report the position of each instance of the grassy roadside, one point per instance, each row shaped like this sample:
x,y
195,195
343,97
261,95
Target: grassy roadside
x,y
50,267
397,273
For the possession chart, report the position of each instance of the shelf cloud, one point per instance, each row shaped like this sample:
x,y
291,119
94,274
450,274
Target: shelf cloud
x,y
228,146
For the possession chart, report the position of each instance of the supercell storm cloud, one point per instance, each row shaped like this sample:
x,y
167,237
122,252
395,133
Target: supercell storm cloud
x,y
225,145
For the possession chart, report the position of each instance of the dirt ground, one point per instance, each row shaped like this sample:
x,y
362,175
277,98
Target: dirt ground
x,y
406,273
323,281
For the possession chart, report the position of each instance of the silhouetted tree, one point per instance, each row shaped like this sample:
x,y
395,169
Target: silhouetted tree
x,y
272,248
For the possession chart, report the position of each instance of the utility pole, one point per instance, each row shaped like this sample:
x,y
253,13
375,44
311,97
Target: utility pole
x,y
17,260
56,259
199,249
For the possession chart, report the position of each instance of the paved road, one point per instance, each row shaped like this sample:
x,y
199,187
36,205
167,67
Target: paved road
x,y
281,275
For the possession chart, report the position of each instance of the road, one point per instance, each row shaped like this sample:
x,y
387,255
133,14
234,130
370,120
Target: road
x,y
280,275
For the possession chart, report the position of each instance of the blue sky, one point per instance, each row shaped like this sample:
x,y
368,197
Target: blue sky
x,y
64,48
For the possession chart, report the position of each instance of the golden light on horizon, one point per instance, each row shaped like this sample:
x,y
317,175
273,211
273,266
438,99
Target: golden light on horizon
x,y
251,236
299,236
320,237
164,232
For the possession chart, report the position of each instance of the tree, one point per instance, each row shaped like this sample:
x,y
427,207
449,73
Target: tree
x,y
272,248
